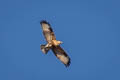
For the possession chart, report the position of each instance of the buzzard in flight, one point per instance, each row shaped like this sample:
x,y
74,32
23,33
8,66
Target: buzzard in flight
x,y
53,44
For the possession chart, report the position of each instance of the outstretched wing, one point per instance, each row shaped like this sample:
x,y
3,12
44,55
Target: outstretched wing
x,y
47,31
61,55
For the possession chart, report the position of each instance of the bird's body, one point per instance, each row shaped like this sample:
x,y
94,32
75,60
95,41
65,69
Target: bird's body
x,y
53,44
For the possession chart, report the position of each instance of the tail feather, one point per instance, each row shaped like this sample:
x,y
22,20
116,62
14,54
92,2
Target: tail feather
x,y
44,49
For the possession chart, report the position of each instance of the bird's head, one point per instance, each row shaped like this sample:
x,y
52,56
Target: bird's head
x,y
56,42
59,42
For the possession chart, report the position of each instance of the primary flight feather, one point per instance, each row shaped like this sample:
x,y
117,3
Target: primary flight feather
x,y
53,44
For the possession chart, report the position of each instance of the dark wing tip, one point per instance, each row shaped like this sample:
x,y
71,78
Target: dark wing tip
x,y
44,21
68,64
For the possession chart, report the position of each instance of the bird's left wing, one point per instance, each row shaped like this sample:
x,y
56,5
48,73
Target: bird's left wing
x,y
61,55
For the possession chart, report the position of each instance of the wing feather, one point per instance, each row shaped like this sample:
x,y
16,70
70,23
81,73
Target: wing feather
x,y
47,31
61,55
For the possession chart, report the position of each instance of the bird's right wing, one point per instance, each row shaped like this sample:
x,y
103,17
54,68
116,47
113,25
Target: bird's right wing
x,y
47,31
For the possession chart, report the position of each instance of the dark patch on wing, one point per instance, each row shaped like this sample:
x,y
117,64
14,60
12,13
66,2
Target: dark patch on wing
x,y
45,22
50,29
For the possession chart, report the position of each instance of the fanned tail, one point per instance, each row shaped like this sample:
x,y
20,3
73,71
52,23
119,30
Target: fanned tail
x,y
44,49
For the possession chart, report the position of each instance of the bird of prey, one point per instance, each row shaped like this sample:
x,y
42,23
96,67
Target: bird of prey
x,y
53,44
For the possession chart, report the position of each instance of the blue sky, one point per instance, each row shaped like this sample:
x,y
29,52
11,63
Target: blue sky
x,y
89,29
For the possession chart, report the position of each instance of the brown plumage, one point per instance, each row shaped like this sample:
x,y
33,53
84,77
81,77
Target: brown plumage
x,y
53,44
